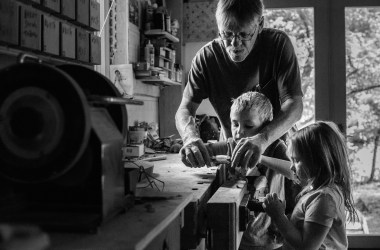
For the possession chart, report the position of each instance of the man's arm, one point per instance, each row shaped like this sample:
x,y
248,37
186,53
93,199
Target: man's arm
x,y
249,149
193,152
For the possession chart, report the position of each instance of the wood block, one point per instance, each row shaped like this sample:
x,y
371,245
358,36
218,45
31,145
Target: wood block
x,y
67,43
83,12
30,36
50,35
223,216
53,5
68,8
9,23
95,14
83,45
95,42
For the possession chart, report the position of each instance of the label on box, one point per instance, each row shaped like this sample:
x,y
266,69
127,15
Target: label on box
x,y
95,49
133,150
67,41
30,28
83,44
50,42
94,14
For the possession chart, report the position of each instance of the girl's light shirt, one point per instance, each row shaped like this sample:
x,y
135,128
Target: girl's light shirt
x,y
324,206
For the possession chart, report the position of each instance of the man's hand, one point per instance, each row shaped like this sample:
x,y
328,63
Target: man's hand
x,y
247,152
273,206
195,154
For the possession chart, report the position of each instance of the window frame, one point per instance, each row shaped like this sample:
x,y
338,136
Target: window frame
x,y
330,70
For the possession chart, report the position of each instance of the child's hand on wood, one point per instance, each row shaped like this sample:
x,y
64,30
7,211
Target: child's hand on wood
x,y
273,206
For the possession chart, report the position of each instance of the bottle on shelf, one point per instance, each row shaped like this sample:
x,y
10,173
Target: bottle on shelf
x,y
149,53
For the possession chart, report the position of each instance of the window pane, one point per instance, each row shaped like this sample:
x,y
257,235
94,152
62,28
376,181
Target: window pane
x,y
363,112
298,24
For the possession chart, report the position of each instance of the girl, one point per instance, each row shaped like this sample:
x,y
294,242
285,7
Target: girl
x,y
320,160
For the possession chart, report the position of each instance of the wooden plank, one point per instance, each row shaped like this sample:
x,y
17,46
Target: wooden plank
x,y
140,227
223,216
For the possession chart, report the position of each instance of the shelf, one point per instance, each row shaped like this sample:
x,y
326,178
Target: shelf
x,y
158,32
158,81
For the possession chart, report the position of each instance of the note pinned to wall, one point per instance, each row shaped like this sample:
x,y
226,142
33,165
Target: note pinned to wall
x,y
121,75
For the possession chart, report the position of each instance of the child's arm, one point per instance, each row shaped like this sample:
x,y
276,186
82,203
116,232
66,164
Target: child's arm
x,y
309,236
281,166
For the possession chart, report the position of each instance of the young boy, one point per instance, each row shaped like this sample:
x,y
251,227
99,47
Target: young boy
x,y
250,112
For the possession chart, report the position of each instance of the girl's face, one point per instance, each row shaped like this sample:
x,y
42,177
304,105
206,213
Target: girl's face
x,y
298,166
245,124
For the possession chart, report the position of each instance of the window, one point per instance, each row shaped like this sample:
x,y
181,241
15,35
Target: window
x,y
346,42
363,110
298,23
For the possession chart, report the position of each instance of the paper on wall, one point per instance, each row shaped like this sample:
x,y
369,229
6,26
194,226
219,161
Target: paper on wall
x,y
121,75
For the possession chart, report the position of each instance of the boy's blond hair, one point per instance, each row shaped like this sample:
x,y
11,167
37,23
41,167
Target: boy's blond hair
x,y
254,100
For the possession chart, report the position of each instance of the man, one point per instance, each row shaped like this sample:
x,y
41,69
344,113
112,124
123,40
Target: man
x,y
245,57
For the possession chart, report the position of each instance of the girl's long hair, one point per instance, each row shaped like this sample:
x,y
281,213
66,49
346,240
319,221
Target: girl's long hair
x,y
323,149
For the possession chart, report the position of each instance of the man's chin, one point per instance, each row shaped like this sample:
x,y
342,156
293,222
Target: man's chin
x,y
237,57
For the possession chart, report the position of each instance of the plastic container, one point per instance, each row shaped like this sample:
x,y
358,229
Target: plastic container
x,y
149,53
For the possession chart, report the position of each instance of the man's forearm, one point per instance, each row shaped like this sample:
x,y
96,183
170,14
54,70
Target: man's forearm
x,y
185,123
290,113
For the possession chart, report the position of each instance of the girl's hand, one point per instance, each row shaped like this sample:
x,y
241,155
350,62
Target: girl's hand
x,y
273,206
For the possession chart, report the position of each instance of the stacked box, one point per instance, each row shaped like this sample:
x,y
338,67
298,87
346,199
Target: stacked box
x,y
30,35
9,23
68,9
83,11
67,48
50,35
82,45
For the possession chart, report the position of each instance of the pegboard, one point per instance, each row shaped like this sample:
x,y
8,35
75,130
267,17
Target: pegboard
x,y
199,21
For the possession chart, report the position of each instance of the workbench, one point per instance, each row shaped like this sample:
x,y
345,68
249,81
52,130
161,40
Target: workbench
x,y
172,219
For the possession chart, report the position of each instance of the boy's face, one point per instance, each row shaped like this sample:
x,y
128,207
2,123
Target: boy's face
x,y
245,124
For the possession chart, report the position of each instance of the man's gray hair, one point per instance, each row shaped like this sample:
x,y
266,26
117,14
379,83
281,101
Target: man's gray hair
x,y
254,100
238,12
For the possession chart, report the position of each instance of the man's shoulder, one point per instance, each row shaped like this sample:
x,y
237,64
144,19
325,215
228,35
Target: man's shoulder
x,y
273,33
210,48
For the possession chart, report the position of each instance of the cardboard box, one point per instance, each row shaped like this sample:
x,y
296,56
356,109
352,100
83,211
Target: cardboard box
x,y
67,41
95,14
50,35
68,9
83,45
136,150
30,36
9,21
95,49
83,11
53,5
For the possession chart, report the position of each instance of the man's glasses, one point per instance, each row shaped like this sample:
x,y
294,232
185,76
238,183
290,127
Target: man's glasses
x,y
242,36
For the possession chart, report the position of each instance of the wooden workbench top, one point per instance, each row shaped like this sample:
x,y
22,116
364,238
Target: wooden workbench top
x,y
134,229
180,178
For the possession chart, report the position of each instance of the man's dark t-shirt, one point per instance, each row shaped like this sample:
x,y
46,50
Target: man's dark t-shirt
x,y
271,68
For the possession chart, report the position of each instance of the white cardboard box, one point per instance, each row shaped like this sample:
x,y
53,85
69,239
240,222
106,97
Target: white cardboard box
x,y
135,150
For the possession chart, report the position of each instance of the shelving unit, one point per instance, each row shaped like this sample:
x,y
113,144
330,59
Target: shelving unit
x,y
158,32
158,81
